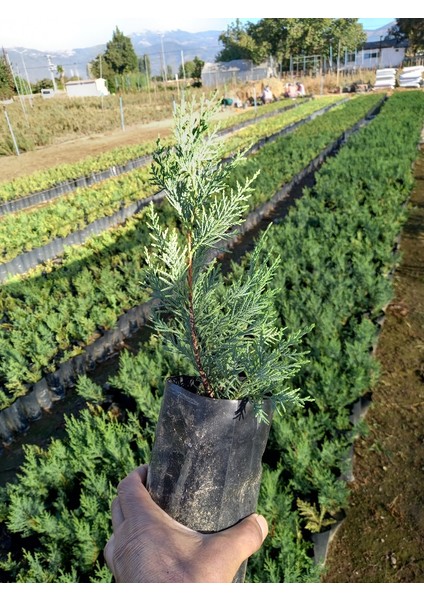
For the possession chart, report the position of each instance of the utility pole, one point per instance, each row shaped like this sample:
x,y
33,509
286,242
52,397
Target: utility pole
x,y
165,70
146,68
182,65
15,144
380,62
52,68
27,77
15,83
338,63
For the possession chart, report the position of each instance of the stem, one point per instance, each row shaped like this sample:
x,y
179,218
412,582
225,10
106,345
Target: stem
x,y
194,338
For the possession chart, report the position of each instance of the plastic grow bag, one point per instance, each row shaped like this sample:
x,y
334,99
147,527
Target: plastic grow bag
x,y
206,462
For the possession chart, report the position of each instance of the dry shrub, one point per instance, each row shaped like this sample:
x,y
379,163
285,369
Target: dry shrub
x,y
58,119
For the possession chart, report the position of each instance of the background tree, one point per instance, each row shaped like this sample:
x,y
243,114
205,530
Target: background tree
x,y
192,69
346,34
61,74
7,88
239,44
282,38
120,55
290,37
42,84
119,58
198,66
144,64
412,30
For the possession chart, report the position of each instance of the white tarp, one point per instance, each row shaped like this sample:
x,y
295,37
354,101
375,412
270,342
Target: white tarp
x,y
411,77
385,78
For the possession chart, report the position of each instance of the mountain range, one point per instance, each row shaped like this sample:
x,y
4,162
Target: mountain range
x,y
168,48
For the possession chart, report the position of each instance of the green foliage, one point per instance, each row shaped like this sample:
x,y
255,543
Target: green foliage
x,y
42,180
119,58
336,246
142,376
144,65
63,306
283,38
42,84
412,30
6,80
239,44
89,390
315,520
62,498
285,555
192,69
225,329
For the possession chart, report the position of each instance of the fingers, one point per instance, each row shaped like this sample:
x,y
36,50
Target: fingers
x,y
108,551
262,522
117,514
246,537
133,484
131,494
142,472
134,500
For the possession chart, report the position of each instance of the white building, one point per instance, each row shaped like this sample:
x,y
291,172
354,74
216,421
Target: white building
x,y
87,87
214,74
383,54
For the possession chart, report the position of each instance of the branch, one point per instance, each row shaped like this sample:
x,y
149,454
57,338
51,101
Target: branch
x,y
193,332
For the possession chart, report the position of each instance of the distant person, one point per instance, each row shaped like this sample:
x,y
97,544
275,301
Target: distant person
x,y
267,96
226,101
291,91
300,89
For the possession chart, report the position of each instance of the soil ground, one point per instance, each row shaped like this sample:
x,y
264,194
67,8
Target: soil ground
x,y
78,149
74,150
381,540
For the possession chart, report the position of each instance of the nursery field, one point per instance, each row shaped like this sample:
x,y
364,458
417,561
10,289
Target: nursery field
x,y
342,270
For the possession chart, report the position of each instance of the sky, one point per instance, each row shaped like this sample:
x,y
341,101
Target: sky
x,y
51,25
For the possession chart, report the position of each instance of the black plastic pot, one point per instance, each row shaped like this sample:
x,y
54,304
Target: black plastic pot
x,y
206,462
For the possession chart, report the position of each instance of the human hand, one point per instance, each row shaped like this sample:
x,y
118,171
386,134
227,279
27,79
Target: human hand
x,y
148,546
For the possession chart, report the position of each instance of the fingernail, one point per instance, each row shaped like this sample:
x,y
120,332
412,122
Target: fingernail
x,y
263,525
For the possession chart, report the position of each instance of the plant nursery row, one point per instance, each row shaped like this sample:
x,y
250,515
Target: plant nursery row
x,y
25,230
51,314
73,175
337,252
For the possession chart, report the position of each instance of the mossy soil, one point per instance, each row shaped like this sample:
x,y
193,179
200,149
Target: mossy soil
x,y
381,539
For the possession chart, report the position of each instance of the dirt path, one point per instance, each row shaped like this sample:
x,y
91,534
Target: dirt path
x,y
381,539
82,147
74,150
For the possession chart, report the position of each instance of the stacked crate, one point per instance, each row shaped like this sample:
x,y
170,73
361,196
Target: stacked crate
x,y
385,78
411,77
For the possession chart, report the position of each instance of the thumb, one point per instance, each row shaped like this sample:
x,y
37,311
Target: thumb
x,y
247,536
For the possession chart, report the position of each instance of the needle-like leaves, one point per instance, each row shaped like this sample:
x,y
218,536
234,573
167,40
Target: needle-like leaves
x,y
226,328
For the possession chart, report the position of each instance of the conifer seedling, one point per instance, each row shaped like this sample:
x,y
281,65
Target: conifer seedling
x,y
225,326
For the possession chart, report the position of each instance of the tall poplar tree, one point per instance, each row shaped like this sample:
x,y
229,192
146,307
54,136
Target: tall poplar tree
x,y
119,58
120,55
